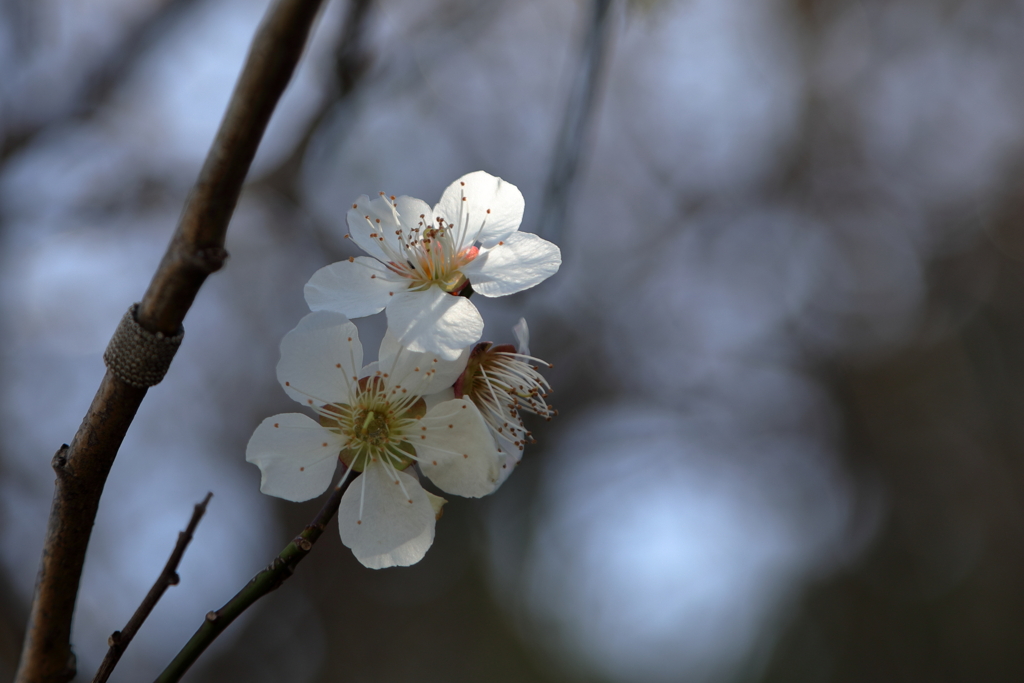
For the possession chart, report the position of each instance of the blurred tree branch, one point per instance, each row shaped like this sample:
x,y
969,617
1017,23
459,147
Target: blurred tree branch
x,y
195,251
352,59
266,581
101,78
576,124
119,640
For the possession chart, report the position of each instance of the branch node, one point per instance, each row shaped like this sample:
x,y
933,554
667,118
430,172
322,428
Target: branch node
x,y
71,668
304,545
60,460
208,260
138,357
266,581
120,640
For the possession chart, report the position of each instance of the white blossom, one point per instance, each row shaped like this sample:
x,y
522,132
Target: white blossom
x,y
502,382
378,420
421,259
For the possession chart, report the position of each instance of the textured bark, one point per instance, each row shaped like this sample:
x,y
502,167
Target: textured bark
x,y
195,251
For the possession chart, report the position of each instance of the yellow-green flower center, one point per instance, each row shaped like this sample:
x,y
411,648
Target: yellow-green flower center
x,y
433,259
375,427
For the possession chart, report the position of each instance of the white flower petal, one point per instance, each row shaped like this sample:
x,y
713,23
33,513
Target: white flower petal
x,y
434,320
509,452
524,260
415,216
482,208
319,358
372,225
396,524
456,449
432,400
508,466
509,455
447,371
369,370
296,456
522,334
421,372
436,502
353,288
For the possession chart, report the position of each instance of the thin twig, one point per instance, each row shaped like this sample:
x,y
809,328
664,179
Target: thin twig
x,y
266,581
119,640
576,124
196,250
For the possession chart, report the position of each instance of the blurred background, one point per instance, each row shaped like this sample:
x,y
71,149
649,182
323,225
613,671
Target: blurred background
x,y
788,332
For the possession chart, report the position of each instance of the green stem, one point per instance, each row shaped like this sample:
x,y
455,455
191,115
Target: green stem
x,y
261,584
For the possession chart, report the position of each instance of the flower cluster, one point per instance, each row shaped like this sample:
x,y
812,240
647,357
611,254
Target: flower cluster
x,y
436,403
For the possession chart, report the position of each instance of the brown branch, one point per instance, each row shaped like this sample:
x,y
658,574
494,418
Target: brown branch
x,y
268,580
196,250
119,640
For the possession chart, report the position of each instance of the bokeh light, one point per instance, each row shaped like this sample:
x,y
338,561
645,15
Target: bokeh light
x,y
787,333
